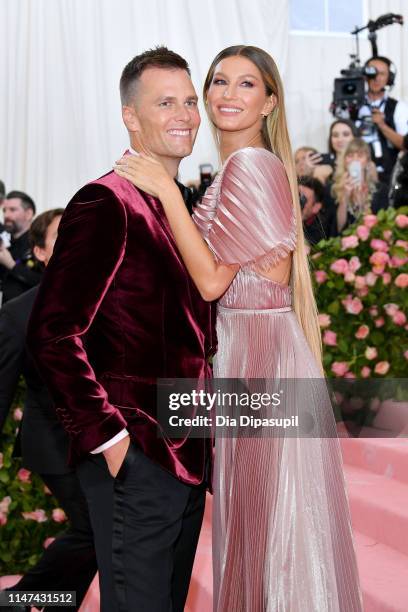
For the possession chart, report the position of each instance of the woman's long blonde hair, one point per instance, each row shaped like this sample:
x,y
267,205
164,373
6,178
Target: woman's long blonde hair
x,y
355,145
276,138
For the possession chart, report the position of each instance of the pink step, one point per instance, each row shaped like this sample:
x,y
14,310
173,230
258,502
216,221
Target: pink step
x,y
383,574
392,416
379,507
386,457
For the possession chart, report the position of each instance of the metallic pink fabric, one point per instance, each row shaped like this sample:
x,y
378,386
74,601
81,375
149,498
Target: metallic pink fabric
x,y
115,311
282,534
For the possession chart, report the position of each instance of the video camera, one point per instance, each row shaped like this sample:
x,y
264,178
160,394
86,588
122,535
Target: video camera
x,y
350,89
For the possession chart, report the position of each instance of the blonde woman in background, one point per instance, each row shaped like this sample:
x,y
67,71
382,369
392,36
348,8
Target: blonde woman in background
x,y
355,188
282,538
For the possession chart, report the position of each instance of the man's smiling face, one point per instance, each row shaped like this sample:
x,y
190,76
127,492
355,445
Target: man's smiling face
x,y
166,112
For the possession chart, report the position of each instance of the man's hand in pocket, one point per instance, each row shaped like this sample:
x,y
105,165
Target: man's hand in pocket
x,y
115,455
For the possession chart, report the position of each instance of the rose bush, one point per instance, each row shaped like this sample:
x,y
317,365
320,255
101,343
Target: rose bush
x,y
29,515
360,284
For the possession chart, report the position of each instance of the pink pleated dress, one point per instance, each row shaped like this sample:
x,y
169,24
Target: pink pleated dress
x,y
282,539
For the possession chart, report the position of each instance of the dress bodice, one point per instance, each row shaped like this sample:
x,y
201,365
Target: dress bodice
x,y
246,216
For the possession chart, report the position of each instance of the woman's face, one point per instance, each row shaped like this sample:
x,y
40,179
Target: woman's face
x,y
236,97
341,135
359,155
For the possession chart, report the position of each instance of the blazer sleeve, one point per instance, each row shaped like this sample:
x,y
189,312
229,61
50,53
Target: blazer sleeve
x,y
12,346
89,250
254,223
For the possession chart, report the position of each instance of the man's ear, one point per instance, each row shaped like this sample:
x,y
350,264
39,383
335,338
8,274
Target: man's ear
x,y
269,105
316,207
39,253
130,119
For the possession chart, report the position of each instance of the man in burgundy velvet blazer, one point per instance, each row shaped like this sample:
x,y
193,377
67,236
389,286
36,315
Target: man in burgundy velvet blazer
x,y
117,310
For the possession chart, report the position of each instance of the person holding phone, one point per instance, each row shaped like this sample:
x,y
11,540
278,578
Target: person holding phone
x,y
355,189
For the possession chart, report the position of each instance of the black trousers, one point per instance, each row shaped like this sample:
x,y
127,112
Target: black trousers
x,y
69,563
146,525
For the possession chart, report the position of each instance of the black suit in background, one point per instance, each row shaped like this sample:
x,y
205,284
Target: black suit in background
x,y
25,274
69,563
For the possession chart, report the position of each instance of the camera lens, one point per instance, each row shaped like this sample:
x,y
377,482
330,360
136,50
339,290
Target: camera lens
x,y
349,89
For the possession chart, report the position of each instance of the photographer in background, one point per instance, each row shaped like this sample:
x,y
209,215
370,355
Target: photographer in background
x,y
399,182
2,196
69,561
18,270
319,221
382,120
355,190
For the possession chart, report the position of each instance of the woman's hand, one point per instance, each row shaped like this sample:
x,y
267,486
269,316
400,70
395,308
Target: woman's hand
x,y
145,172
349,186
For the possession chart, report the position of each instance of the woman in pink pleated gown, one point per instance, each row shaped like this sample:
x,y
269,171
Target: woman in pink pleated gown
x,y
282,539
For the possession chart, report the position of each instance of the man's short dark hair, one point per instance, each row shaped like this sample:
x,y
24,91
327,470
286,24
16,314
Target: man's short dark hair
x,y
315,185
159,57
39,226
26,201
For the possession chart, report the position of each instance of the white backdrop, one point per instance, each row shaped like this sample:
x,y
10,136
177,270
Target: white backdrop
x,y
60,63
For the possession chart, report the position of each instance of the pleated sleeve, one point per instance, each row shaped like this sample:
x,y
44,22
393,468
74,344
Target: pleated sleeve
x,y
247,216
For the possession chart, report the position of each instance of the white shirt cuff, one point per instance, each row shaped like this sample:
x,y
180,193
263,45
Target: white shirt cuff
x,y
119,436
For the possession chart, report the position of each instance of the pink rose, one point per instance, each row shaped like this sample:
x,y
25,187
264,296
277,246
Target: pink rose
x,y
397,262
23,475
371,352
1,460
365,372
340,266
339,368
324,320
387,234
379,322
18,414
373,311
349,277
382,367
37,515
354,264
402,281
370,279
363,232
362,292
352,305
379,258
379,245
391,309
386,278
402,243
350,375
399,318
58,515
349,242
48,541
362,332
320,276
3,519
406,354
401,220
329,338
4,504
370,220
360,282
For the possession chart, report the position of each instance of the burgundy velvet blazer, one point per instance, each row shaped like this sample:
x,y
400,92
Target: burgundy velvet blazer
x,y
116,309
